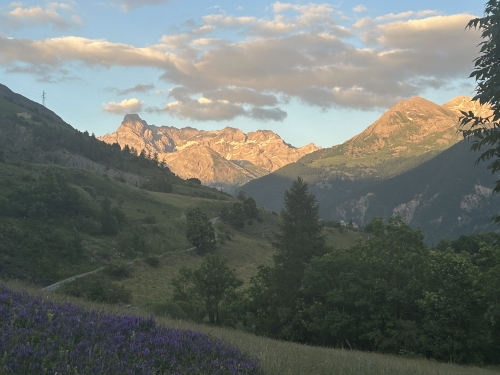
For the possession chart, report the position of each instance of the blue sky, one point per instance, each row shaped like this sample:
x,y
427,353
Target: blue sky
x,y
311,71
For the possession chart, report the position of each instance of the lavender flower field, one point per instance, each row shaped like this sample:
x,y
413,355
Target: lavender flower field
x,y
38,336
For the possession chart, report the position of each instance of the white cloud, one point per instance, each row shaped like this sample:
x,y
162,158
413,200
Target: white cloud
x,y
51,15
137,88
125,106
56,51
128,5
300,53
359,8
242,96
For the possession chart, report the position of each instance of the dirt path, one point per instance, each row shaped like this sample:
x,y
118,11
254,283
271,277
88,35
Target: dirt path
x,y
56,286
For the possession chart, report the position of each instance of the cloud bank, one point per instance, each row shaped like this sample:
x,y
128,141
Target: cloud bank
x,y
305,52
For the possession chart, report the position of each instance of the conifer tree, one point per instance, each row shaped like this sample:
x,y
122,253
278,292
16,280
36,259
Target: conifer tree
x,y
275,290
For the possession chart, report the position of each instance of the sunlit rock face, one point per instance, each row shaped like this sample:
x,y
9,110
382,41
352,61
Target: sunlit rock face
x,y
221,158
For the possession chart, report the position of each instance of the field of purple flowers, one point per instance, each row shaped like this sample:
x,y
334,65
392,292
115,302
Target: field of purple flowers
x,y
41,337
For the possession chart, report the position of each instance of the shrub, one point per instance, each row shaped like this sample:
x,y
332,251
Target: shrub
x,y
118,269
152,261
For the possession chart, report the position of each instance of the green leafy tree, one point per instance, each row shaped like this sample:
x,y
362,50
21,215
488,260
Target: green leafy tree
x,y
484,131
213,284
212,281
453,308
365,297
200,231
250,208
237,216
109,222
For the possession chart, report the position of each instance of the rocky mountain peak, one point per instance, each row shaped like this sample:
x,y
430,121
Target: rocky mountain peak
x,y
466,104
408,123
219,157
232,135
134,122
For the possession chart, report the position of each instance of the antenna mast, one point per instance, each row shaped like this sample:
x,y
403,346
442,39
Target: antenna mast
x,y
43,98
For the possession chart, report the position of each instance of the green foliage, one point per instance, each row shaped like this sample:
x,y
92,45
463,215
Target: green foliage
x,y
158,183
213,284
250,209
365,297
194,180
240,213
118,269
275,289
38,252
152,261
241,195
200,231
451,305
107,218
97,289
484,130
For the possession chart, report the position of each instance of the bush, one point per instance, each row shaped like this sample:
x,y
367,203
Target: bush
x,y
150,219
88,225
118,269
152,261
97,289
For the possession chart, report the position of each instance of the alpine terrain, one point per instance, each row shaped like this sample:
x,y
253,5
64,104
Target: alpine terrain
x,y
220,158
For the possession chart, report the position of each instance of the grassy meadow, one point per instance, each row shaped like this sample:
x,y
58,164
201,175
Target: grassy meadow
x,y
284,358
245,251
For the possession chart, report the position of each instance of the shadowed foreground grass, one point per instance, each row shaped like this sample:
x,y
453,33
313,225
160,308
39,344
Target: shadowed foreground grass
x,y
277,357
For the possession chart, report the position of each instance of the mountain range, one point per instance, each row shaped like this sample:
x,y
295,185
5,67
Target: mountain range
x,y
407,164
220,158
411,162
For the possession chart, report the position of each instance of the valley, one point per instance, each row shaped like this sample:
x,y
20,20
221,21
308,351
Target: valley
x,y
71,203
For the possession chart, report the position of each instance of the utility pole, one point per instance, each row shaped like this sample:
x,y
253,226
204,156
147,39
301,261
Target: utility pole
x,y
43,98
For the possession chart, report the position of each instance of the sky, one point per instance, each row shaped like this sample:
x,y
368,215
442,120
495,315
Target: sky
x,y
310,71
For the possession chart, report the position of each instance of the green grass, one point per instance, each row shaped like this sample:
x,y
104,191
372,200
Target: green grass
x,y
246,250
10,109
284,358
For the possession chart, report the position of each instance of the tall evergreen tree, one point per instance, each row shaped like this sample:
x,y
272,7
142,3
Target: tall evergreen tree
x,y
275,290
300,236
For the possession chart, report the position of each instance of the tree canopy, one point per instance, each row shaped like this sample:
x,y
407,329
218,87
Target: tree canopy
x,y
484,131
200,231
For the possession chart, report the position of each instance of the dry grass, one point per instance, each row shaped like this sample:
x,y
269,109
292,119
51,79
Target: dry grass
x,y
277,357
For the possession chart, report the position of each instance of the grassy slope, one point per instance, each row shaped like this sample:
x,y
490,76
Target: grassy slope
x,y
168,210
245,252
278,357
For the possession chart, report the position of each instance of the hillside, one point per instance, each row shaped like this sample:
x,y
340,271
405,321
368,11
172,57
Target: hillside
x,y
446,196
70,203
221,158
407,135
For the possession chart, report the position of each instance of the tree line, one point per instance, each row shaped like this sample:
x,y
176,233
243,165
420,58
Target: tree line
x,y
390,293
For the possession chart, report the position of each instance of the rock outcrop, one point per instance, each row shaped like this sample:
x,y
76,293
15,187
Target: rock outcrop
x,y
221,158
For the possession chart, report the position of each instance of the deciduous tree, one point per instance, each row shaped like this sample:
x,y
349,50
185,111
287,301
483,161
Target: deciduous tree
x,y
200,231
484,131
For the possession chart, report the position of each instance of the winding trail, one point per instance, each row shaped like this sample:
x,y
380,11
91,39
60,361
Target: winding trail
x,y
56,286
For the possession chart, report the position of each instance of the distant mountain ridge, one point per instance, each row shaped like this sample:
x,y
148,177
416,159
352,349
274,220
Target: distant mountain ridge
x,y
446,196
221,158
407,135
